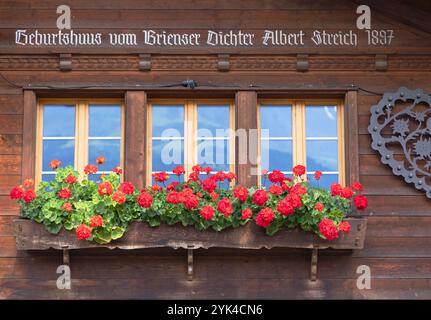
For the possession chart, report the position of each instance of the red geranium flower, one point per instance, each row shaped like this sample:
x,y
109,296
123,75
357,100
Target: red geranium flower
x,y
275,190
105,189
28,183
328,229
361,202
96,221
67,206
126,187
298,189
317,175
145,200
117,170
29,196
336,189
194,176
70,179
220,176
319,206
264,172
156,187
16,193
100,160
90,169
260,197
207,212
346,193
246,214
191,201
208,170
225,207
161,176
172,186
230,176
119,197
209,184
265,217
344,226
285,207
357,186
197,168
64,193
179,170
276,176
241,193
83,232
298,170
173,197
54,164
214,195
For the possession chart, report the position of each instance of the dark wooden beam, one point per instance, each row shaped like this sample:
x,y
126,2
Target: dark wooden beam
x,y
29,135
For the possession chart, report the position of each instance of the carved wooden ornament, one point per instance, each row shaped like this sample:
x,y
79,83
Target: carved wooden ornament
x,y
400,128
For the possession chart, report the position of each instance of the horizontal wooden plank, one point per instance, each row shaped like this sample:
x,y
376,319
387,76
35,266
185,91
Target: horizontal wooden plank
x,y
182,289
173,5
398,205
191,19
10,164
10,124
7,182
11,104
388,186
33,236
395,247
214,267
6,225
369,164
414,226
10,143
8,206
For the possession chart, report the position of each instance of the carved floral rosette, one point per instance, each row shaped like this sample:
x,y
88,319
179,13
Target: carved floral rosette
x,y
400,128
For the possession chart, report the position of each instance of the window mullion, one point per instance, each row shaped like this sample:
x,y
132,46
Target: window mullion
x,y
149,155
81,137
341,141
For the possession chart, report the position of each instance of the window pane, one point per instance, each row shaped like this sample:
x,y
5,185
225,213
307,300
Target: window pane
x,y
324,182
63,150
167,154
321,121
48,177
105,121
276,154
95,177
276,119
168,117
59,121
322,155
213,121
110,149
214,153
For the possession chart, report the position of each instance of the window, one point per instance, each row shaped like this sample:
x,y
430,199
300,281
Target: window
x,y
189,132
307,132
76,132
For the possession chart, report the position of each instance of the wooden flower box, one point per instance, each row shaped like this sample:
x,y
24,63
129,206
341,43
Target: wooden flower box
x,y
33,236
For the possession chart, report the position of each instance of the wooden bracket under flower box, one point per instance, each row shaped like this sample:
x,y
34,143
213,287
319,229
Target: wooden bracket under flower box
x,y
33,236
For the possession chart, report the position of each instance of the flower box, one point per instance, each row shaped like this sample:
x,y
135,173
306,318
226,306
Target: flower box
x,y
33,236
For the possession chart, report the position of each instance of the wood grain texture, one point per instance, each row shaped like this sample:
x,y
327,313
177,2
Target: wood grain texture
x,y
351,136
246,150
29,135
135,138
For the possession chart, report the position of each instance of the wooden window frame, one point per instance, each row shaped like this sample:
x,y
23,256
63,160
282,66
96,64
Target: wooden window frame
x,y
298,131
190,131
81,131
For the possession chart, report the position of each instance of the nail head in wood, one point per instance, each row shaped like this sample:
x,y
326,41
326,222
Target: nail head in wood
x,y
145,62
302,62
223,63
65,61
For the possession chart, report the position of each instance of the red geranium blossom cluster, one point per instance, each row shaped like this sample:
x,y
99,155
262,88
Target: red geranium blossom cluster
x,y
200,200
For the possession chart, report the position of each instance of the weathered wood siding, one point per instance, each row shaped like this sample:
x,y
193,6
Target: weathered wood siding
x,y
398,243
